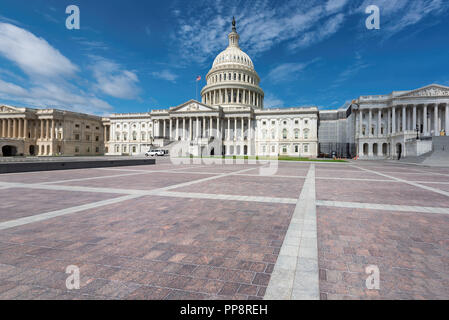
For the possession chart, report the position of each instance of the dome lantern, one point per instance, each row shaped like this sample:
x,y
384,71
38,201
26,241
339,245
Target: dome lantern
x,y
234,36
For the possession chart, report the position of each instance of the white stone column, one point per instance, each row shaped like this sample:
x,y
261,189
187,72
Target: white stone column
x,y
425,119
184,131
20,131
404,119
14,126
360,123
414,118
25,128
436,126
41,122
170,130
197,127
379,122
211,126
235,129
177,129
389,122
47,129
446,119
4,126
228,135
370,122
393,121
190,128
243,129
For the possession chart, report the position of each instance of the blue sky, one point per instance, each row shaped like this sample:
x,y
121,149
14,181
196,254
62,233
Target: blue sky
x,y
134,55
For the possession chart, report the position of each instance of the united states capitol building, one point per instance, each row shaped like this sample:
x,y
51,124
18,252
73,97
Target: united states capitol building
x,y
231,120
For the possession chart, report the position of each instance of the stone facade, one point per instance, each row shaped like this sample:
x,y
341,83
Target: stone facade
x,y
386,123
49,132
231,120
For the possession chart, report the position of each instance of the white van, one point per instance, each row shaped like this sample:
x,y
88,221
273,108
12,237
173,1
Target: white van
x,y
155,153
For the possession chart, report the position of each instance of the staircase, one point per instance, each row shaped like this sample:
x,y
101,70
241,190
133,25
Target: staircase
x,y
438,157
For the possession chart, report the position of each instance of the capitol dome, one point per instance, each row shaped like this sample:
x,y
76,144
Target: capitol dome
x,y
233,55
233,81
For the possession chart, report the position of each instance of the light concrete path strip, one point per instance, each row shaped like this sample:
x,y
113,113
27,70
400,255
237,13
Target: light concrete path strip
x,y
63,212
295,275
211,196
382,207
415,184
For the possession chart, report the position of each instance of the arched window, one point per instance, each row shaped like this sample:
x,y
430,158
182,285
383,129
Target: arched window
x,y
306,134
284,134
143,136
134,136
273,134
297,134
264,134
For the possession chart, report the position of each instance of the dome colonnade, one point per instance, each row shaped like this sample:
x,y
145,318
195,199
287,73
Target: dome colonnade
x,y
233,81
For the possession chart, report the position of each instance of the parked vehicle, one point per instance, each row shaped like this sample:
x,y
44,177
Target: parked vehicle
x,y
155,153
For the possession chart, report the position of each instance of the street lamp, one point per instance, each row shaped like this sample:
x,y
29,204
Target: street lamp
x,y
417,132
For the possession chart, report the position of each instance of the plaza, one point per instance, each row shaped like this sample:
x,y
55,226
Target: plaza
x,y
305,230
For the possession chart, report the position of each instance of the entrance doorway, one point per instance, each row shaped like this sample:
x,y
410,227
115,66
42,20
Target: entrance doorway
x,y
9,151
32,150
399,150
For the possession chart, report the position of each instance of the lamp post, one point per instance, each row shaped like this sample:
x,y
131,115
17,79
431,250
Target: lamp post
x,y
417,132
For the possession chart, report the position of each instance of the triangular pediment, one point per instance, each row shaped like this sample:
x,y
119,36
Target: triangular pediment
x,y
193,106
9,109
433,90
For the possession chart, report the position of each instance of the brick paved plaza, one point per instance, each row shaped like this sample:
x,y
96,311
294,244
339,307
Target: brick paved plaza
x,y
223,231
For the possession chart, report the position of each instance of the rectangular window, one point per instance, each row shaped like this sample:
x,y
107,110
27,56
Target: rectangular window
x,y
97,138
77,137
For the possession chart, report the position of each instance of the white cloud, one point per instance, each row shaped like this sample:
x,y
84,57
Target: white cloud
x,y
285,72
288,71
165,75
50,75
335,5
113,80
271,101
330,27
261,25
35,56
350,71
53,95
397,15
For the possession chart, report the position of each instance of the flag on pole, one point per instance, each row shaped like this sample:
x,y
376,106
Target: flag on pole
x,y
198,78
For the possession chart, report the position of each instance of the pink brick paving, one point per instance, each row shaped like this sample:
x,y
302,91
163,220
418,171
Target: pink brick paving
x,y
410,249
157,247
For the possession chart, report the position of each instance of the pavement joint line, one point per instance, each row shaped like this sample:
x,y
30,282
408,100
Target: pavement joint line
x,y
185,184
155,192
296,275
381,207
63,212
409,182
92,178
210,196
